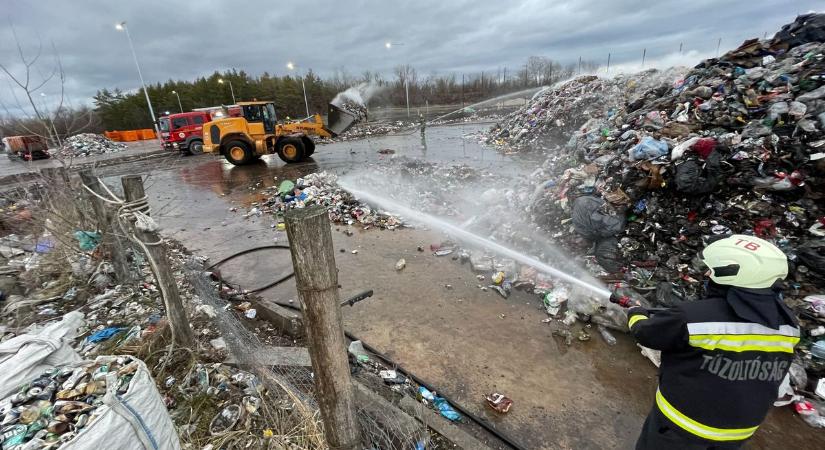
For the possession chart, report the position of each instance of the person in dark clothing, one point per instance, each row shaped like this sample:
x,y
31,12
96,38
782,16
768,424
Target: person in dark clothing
x,y
724,357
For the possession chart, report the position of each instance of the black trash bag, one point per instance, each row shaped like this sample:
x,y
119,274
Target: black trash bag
x,y
689,177
591,222
667,295
806,28
812,255
607,254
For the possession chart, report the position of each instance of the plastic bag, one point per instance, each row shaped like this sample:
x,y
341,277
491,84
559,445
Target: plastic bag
x,y
601,312
680,149
25,356
778,109
593,224
649,148
87,240
689,177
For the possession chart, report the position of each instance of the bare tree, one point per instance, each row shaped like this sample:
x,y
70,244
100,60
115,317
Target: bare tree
x,y
30,80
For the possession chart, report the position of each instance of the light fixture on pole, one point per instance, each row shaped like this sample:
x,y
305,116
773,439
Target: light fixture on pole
x,y
291,66
232,91
388,45
179,103
122,27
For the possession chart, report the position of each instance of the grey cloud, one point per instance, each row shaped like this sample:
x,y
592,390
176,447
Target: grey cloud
x,y
186,39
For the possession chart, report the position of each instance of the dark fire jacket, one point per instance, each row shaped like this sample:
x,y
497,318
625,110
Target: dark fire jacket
x,y
723,359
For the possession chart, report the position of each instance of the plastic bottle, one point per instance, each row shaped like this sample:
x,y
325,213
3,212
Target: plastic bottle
x,y
606,335
809,414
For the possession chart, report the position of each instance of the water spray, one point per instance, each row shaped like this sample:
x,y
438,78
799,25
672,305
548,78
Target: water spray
x,y
530,91
472,238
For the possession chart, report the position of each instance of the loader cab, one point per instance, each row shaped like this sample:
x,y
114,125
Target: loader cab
x,y
260,113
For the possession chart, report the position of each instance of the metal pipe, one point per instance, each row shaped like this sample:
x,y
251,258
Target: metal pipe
x,y
306,103
232,91
140,75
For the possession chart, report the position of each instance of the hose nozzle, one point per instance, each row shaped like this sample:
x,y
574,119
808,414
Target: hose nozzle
x,y
622,300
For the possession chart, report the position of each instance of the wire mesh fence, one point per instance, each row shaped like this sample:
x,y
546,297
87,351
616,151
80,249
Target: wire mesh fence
x,y
295,412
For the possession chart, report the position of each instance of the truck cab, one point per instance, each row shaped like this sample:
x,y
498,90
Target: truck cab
x,y
184,131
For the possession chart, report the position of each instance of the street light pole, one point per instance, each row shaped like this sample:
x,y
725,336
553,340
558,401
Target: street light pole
x,y
388,45
306,103
179,103
232,91
291,66
122,26
407,88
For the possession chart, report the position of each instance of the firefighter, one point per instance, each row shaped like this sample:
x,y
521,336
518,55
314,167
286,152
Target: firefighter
x,y
724,357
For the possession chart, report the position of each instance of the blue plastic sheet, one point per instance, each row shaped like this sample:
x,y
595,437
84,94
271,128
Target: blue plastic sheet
x,y
103,334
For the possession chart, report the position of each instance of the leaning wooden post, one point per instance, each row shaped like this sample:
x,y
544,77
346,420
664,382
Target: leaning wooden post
x,y
61,200
159,262
110,243
316,277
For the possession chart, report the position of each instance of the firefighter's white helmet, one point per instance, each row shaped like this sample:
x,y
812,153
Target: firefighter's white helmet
x,y
745,261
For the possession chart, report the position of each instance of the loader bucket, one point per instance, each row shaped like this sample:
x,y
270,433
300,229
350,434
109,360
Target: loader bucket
x,y
339,120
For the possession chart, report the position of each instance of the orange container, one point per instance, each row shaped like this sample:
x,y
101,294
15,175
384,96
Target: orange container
x,y
113,135
146,133
129,136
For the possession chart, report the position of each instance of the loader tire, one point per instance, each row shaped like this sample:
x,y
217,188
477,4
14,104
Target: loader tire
x,y
238,153
309,146
291,150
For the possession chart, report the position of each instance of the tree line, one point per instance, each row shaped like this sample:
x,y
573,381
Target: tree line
x,y
128,110
116,109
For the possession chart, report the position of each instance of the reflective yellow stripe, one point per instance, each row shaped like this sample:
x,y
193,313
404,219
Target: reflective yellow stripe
x,y
635,318
737,328
744,342
698,429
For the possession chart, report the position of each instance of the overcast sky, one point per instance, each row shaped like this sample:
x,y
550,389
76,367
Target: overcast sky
x,y
186,39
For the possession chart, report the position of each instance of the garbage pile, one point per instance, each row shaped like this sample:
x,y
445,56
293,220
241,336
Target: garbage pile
x,y
735,146
83,314
565,107
363,130
322,189
87,144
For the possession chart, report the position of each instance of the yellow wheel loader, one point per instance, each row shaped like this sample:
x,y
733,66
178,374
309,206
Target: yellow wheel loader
x,y
256,132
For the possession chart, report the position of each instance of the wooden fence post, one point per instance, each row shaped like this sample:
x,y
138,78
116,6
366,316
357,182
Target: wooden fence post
x,y
111,244
313,258
159,262
61,199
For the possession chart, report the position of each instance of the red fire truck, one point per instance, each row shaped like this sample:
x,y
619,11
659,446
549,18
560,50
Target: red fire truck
x,y
184,131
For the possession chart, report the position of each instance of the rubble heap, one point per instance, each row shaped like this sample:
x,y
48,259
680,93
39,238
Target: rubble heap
x,y
436,189
87,144
363,130
322,189
555,112
735,146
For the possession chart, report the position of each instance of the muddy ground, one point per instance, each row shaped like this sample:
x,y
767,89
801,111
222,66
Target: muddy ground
x,y
464,341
